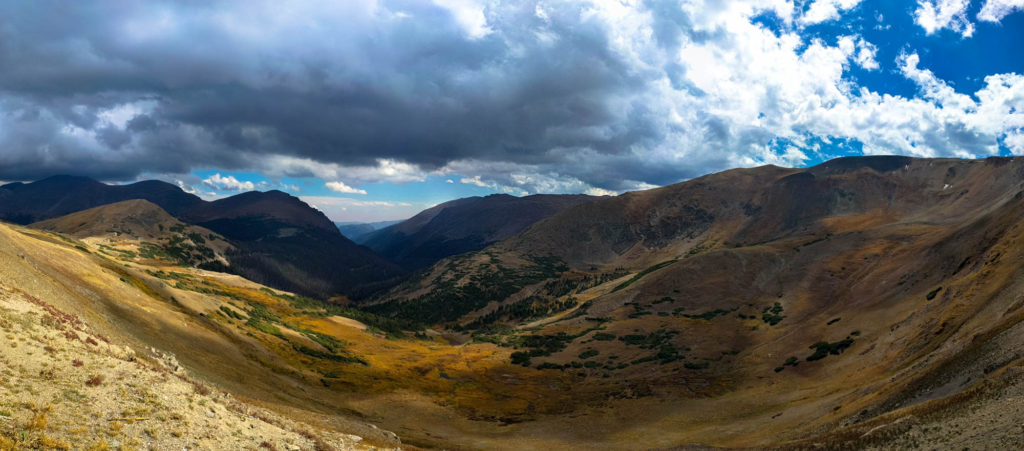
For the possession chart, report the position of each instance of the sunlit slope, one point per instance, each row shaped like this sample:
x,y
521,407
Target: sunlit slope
x,y
137,227
66,387
129,308
289,353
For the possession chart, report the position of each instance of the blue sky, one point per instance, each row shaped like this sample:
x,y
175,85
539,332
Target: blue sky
x,y
375,110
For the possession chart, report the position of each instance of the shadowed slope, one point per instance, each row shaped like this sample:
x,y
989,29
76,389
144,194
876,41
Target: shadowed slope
x,y
60,195
464,225
283,242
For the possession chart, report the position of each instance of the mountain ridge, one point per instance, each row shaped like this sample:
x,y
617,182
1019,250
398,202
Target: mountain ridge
x,y
277,239
24,203
464,225
137,226
356,230
865,285
866,303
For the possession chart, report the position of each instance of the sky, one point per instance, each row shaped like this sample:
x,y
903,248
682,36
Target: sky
x,y
376,109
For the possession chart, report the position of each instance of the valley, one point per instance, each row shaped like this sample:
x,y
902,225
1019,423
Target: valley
x,y
522,225
865,302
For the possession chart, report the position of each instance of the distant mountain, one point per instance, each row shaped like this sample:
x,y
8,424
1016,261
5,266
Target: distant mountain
x,y
464,225
25,203
356,230
285,243
277,239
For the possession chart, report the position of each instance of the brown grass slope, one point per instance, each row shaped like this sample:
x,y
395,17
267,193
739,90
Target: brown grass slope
x,y
643,335
134,229
163,323
68,388
132,218
907,270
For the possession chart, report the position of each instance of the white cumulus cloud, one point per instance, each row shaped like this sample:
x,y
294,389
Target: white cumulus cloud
x,y
475,180
341,187
348,209
229,183
936,15
469,14
996,10
865,57
826,10
384,171
600,192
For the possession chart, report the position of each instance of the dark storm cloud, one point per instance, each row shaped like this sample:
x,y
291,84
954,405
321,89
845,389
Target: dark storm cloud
x,y
531,95
214,84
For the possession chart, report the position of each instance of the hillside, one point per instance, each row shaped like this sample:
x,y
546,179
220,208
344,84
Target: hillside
x,y
104,354
464,225
863,303
356,230
56,196
71,389
805,299
139,227
275,239
284,243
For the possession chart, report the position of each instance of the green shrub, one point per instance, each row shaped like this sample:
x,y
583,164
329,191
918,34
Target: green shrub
x,y
231,313
643,273
521,358
450,299
822,349
708,316
772,314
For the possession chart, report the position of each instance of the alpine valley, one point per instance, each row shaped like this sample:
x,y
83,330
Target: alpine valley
x,y
866,302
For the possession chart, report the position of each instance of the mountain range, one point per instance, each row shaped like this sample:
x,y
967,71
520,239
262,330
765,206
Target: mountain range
x,y
463,225
810,300
355,230
870,302
276,239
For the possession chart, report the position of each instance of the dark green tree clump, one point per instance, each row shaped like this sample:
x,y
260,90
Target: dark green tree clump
x,y
822,349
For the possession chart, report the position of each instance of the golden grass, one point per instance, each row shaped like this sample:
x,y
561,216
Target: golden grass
x,y
476,386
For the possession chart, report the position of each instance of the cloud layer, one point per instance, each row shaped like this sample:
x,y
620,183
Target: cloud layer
x,y
524,96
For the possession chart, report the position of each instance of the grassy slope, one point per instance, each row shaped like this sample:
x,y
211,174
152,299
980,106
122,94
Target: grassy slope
x,y
696,370
67,388
862,281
